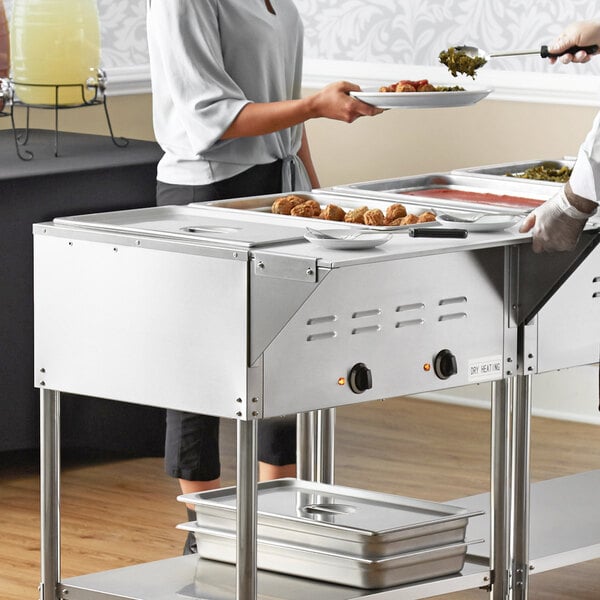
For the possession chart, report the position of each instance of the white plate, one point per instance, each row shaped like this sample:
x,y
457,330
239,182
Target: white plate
x,y
370,240
486,223
420,99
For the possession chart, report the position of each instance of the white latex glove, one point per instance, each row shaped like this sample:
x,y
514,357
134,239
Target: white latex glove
x,y
556,225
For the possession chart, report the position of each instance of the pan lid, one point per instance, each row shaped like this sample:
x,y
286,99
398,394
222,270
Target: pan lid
x,y
189,223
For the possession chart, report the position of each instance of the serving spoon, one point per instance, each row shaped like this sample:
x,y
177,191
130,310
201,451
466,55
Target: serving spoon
x,y
474,52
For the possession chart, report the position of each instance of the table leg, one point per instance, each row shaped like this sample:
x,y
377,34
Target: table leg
x,y
246,509
49,493
306,451
500,497
521,466
326,445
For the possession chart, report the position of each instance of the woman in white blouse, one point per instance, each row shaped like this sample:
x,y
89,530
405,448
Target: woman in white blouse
x,y
228,113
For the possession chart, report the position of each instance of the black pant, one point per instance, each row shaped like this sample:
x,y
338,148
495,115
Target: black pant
x,y
192,440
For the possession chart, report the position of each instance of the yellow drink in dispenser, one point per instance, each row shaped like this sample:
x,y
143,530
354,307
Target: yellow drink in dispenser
x,y
4,49
54,43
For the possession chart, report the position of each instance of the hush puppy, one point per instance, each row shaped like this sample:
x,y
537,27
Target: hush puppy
x,y
284,205
395,211
426,217
333,213
374,217
356,215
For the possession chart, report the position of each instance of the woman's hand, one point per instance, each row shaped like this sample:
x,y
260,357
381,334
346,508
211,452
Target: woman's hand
x,y
580,33
335,102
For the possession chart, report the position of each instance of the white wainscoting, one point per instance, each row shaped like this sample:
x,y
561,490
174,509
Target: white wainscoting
x,y
569,395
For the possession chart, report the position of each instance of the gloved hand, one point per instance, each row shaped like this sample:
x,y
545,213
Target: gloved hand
x,y
556,224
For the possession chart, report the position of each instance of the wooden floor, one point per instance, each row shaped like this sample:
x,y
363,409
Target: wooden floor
x,y
122,512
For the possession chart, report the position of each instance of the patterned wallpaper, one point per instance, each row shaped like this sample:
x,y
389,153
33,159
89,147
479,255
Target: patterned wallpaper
x,y
410,32
413,32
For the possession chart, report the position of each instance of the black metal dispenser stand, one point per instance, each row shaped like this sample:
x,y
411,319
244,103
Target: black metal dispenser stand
x,y
96,84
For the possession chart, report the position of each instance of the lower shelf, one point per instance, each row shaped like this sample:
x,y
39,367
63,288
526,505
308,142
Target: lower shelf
x,y
188,577
565,522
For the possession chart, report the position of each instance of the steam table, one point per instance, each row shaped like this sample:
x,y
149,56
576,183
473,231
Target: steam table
x,y
485,298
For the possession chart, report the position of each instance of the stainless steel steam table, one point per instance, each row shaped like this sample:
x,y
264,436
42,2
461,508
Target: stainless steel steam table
x,y
240,317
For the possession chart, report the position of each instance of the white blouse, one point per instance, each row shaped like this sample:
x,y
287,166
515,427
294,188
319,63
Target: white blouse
x,y
208,59
585,179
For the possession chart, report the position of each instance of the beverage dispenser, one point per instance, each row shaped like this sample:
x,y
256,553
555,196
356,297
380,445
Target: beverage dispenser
x,y
4,48
55,48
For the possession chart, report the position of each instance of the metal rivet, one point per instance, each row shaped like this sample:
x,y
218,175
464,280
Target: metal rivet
x,y
261,265
530,356
238,413
42,370
509,373
309,271
115,249
530,368
254,399
42,383
138,243
255,413
70,243
235,255
238,399
509,359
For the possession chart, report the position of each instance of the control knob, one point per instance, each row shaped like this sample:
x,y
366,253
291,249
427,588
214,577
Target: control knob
x,y
444,364
360,378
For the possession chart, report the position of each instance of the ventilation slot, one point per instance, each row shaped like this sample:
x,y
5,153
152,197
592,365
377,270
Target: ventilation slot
x,y
453,316
410,323
457,300
321,320
316,337
372,329
366,313
415,306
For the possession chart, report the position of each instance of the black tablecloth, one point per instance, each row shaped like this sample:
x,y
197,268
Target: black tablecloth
x,y
90,174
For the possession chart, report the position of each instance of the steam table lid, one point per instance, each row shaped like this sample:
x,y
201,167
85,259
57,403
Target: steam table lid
x,y
189,223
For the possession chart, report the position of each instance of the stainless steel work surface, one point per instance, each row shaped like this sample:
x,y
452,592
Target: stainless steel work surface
x,y
458,191
516,170
345,520
565,521
188,577
183,222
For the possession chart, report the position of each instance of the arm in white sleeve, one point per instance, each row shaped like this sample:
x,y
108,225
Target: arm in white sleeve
x,y
585,179
186,52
